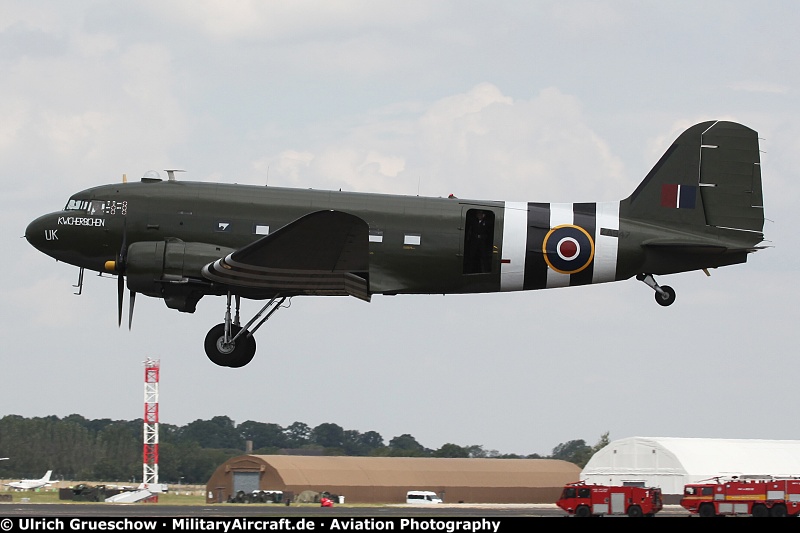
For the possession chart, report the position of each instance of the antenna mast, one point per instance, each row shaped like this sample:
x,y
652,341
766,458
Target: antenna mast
x,y
150,463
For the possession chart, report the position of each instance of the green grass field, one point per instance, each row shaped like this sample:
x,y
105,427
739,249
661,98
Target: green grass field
x,y
52,497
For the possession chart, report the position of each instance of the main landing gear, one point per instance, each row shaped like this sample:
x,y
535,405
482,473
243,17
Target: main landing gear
x,y
229,344
665,295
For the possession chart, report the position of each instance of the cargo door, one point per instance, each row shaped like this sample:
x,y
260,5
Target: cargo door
x,y
478,245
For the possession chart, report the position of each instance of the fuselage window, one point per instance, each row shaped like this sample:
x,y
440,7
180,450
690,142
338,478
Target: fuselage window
x,y
375,235
478,241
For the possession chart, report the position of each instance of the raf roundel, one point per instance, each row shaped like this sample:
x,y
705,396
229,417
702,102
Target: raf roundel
x,y
568,249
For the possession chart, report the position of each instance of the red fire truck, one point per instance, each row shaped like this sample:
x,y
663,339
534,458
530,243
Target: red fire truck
x,y
580,499
757,497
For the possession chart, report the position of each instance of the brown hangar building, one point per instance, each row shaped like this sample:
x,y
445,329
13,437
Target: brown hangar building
x,y
387,479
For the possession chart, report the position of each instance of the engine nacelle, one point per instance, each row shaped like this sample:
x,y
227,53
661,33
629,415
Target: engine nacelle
x,y
170,269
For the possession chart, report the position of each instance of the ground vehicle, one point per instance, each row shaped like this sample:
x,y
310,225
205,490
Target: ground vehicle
x,y
757,497
422,496
580,499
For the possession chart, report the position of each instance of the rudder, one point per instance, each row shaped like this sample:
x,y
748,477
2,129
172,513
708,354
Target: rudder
x,y
730,177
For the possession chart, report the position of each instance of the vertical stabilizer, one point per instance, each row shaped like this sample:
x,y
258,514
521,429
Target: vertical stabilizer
x,y
710,176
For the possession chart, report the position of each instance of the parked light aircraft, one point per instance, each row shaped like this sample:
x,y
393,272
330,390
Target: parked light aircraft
x,y
700,207
31,484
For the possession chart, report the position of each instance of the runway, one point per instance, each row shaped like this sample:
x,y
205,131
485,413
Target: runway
x,y
455,511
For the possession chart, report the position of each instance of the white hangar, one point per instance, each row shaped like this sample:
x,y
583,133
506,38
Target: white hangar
x,y
672,462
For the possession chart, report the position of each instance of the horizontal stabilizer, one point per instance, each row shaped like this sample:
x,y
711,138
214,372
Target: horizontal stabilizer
x,y
687,247
696,247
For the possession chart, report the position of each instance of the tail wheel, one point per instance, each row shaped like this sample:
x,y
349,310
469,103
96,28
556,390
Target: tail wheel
x,y
667,298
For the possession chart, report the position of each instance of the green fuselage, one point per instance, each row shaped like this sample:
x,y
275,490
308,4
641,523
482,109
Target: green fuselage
x,y
417,244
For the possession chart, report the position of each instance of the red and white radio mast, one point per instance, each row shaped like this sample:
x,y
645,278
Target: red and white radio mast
x,y
150,462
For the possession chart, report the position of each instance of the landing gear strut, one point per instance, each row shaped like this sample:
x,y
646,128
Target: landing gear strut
x,y
229,344
665,295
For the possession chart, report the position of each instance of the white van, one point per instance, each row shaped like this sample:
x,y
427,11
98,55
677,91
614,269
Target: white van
x,y
422,496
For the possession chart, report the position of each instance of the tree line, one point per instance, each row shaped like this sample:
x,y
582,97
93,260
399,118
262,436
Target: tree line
x,y
76,448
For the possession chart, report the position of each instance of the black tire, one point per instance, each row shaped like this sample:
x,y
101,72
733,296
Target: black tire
x,y
634,511
245,355
583,511
778,511
241,353
760,510
667,298
707,510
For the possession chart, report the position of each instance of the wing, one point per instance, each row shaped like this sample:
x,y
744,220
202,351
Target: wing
x,y
322,253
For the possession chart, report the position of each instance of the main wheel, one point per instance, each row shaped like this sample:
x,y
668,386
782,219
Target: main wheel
x,y
634,511
231,355
667,298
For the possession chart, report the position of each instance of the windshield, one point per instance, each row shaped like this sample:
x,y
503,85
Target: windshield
x,y
77,205
96,207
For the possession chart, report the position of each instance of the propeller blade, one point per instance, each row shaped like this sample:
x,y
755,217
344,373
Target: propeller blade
x,y
123,249
120,268
130,310
120,292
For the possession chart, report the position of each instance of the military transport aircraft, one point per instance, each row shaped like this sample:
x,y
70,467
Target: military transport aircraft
x,y
699,207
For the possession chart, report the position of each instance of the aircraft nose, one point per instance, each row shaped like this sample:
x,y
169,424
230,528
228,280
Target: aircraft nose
x,y
40,232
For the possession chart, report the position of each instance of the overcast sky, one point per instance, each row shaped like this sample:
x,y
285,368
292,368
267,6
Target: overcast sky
x,y
519,101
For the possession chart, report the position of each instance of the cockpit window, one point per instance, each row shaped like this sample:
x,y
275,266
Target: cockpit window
x,y
97,207
77,205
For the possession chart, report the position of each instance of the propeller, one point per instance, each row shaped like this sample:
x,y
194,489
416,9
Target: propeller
x,y
119,266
